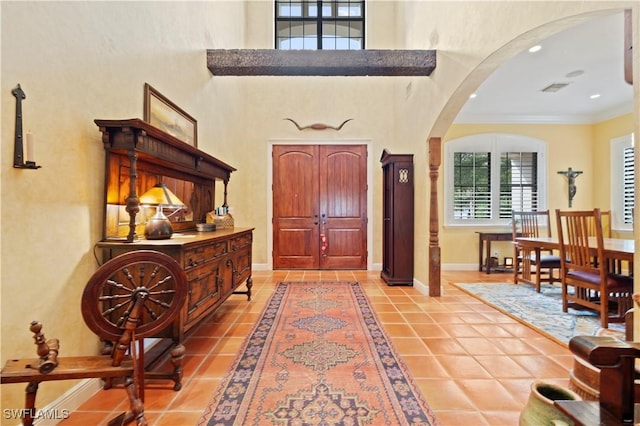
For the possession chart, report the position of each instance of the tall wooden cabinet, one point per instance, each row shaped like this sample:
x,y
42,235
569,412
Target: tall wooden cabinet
x,y
397,218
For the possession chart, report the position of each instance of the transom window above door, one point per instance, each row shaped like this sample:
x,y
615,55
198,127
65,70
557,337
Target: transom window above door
x,y
319,24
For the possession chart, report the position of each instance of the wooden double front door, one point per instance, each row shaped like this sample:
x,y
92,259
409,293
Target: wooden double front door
x,y
319,207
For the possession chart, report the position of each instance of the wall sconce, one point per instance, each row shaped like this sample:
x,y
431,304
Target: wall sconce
x,y
159,227
18,146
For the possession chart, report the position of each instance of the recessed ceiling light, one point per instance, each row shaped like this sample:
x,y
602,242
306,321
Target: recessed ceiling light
x,y
575,73
594,96
473,95
535,48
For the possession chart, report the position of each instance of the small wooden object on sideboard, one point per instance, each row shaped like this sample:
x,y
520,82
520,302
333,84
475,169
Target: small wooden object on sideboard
x,y
217,263
397,218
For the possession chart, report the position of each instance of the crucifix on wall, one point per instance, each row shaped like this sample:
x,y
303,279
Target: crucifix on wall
x,y
571,177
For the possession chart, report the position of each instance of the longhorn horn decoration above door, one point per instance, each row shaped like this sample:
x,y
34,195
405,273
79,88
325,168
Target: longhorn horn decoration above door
x,y
319,126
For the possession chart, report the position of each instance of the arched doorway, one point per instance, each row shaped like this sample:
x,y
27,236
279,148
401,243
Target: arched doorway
x,y
456,102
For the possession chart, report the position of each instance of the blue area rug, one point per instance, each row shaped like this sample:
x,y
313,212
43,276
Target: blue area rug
x,y
542,311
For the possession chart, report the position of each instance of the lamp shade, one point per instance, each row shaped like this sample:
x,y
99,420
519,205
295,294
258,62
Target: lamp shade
x,y
159,227
159,194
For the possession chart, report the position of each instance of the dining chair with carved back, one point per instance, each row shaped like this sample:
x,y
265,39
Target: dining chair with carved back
x,y
533,267
586,284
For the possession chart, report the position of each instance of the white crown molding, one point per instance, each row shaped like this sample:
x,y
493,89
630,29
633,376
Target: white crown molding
x,y
543,119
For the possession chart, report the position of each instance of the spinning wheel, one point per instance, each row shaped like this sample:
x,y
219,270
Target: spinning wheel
x,y
130,297
121,284
142,290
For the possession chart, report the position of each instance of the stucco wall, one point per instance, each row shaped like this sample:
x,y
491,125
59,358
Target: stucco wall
x,y
78,61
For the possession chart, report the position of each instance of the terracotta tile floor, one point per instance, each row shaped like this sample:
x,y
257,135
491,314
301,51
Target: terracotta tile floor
x,y
473,364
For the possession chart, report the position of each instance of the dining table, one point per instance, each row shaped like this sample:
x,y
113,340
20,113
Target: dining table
x,y
618,249
615,248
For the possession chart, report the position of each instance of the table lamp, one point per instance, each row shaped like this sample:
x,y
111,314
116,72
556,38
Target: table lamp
x,y
159,227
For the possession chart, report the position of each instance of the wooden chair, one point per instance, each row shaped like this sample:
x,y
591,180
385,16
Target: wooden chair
x,y
594,287
605,219
615,265
534,266
130,297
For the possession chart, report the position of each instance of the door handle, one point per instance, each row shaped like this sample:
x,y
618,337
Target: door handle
x,y
324,244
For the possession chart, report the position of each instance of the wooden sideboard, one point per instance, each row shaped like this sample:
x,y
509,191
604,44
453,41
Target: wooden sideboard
x,y
217,263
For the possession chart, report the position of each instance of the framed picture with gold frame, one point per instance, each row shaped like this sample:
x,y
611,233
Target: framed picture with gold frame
x,y
160,112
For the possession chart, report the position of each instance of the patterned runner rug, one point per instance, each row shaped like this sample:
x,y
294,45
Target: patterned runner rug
x,y
318,356
542,311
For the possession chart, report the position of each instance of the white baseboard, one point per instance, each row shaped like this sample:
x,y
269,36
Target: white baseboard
x,y
260,267
459,266
421,287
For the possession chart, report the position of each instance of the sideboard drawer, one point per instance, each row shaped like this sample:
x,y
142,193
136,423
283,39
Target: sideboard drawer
x,y
239,242
198,255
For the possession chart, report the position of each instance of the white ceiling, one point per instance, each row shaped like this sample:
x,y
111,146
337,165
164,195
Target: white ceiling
x,y
512,94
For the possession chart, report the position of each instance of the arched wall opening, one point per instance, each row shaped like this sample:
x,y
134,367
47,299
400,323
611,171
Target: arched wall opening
x,y
461,95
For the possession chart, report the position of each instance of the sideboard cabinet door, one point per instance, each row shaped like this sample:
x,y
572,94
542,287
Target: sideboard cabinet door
x,y
397,218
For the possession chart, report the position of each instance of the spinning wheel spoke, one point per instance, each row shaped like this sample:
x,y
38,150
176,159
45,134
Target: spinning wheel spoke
x,y
160,282
115,308
152,276
159,302
130,276
151,313
119,286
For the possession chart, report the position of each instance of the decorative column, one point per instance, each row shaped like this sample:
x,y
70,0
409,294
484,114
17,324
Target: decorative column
x,y
435,148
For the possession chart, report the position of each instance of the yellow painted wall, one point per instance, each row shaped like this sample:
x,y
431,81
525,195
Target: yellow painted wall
x,y
78,61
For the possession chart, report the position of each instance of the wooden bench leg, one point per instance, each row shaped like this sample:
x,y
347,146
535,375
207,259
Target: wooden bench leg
x,y
30,403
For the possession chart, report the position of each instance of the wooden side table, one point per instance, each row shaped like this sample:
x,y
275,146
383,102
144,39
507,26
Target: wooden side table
x,y
488,237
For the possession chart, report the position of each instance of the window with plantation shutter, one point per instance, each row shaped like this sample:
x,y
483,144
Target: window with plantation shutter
x,y
628,179
488,176
518,182
472,185
622,182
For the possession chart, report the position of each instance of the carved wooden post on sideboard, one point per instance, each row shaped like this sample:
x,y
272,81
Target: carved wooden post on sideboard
x,y
435,145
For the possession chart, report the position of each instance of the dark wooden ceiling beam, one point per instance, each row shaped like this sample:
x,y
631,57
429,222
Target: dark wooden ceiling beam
x,y
253,62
